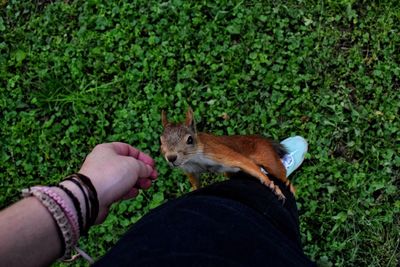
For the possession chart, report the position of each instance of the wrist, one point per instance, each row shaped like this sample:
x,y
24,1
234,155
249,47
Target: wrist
x,y
99,187
89,194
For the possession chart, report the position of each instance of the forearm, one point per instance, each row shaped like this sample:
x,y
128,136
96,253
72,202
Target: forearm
x,y
47,224
28,235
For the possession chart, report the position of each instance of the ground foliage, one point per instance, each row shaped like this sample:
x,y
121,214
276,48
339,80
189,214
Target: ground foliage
x,y
77,73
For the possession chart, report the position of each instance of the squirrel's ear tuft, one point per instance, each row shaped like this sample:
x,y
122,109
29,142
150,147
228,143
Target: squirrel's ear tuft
x,y
164,119
190,119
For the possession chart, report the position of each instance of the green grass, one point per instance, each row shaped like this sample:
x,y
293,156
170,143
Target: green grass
x,y
77,73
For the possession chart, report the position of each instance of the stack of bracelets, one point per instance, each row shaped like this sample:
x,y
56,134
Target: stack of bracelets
x,y
70,225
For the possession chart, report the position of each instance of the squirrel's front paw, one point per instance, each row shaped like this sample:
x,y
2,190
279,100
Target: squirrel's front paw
x,y
277,191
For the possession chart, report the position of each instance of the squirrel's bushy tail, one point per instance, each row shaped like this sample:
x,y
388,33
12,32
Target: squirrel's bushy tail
x,y
279,149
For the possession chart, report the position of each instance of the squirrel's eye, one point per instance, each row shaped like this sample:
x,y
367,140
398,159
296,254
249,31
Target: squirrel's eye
x,y
189,141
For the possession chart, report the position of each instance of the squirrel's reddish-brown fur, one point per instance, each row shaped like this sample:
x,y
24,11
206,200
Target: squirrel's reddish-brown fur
x,y
197,152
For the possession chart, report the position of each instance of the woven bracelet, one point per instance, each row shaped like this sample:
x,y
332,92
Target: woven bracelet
x,y
72,218
76,203
58,215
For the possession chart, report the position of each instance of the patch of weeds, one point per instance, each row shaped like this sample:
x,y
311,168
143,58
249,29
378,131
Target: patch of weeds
x,y
78,73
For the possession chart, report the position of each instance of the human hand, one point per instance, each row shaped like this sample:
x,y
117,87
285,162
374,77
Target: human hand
x,y
117,171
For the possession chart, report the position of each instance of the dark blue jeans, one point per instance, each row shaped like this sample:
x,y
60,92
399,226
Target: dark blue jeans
x,y
238,222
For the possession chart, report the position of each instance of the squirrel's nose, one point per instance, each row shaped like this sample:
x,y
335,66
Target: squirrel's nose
x,y
172,158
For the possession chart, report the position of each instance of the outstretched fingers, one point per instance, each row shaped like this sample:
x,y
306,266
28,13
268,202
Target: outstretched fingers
x,y
144,167
124,149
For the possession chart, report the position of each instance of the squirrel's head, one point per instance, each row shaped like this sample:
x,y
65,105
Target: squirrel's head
x,y
179,140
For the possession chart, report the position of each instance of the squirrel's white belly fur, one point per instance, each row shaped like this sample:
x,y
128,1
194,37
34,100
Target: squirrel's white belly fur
x,y
200,164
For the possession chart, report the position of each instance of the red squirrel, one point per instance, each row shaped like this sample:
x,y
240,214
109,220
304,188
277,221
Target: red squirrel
x,y
198,152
